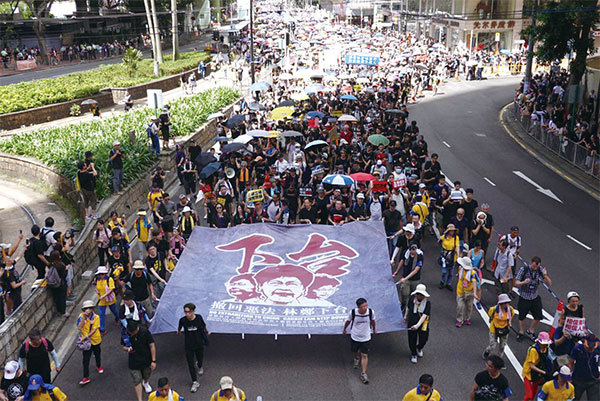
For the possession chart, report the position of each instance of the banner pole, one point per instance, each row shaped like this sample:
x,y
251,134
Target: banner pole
x,y
308,336
275,336
243,336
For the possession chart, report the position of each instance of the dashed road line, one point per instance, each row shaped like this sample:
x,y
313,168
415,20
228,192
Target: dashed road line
x,y
579,242
446,143
489,181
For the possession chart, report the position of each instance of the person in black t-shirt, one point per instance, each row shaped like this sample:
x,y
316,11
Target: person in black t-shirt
x,y
337,214
139,343
157,266
307,214
490,384
392,221
195,338
33,355
87,183
141,285
116,157
14,383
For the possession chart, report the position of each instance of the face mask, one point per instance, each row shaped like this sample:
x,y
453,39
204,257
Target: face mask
x,y
398,171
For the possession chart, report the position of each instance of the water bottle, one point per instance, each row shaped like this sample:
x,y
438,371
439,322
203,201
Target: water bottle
x,y
478,305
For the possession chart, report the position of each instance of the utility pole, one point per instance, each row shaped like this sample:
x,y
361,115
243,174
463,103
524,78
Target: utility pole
x,y
252,41
174,29
156,34
529,65
152,37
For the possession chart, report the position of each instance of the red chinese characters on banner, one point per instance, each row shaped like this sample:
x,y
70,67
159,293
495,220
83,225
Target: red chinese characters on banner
x,y
250,245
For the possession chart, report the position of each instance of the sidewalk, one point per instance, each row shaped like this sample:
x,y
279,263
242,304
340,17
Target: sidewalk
x,y
566,170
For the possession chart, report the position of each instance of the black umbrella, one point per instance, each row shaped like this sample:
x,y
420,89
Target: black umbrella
x,y
286,103
401,113
235,120
204,158
232,147
210,169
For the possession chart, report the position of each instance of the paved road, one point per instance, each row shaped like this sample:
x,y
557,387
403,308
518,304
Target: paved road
x,y
298,368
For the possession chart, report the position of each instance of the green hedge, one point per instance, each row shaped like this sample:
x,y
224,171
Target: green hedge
x,y
27,95
63,147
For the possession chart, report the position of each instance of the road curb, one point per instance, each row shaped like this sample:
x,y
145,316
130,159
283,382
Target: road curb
x,y
542,158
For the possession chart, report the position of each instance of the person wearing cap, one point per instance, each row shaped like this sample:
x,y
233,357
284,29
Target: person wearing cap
x,y
527,280
411,264
115,159
227,391
466,291
537,367
416,317
501,316
157,267
14,382
141,286
559,388
379,168
130,310
141,349
450,249
359,211
585,361
491,384
424,391
107,297
406,237
35,354
573,309
164,392
88,324
39,389
143,227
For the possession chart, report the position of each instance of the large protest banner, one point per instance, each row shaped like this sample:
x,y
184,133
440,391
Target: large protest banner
x,y
275,279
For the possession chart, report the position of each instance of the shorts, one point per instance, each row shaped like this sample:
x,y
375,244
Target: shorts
x,y
89,198
69,278
360,346
138,375
530,305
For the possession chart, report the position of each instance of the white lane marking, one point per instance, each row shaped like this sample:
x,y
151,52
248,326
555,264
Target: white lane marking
x,y
446,143
480,135
538,187
489,182
507,351
579,242
548,318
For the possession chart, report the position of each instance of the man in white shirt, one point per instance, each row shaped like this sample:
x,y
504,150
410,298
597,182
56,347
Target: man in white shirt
x,y
281,164
361,320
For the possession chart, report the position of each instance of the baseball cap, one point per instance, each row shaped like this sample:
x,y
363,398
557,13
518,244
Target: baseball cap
x,y
379,162
360,196
181,196
128,295
410,228
35,382
226,383
572,294
565,373
10,370
422,185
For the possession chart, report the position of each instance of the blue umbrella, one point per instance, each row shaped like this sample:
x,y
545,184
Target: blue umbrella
x,y
348,97
338,179
259,86
313,114
210,169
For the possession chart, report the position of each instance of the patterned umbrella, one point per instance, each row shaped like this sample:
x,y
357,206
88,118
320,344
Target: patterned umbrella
x,y
338,179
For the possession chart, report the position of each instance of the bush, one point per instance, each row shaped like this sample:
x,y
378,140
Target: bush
x,y
27,95
75,110
63,147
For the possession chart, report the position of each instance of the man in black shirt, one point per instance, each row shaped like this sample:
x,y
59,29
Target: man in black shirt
x,y
157,266
162,245
36,246
490,384
142,356
337,214
14,383
115,158
195,337
141,285
392,221
307,214
87,183
35,352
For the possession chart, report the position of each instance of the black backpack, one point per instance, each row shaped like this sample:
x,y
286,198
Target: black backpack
x,y
354,315
30,254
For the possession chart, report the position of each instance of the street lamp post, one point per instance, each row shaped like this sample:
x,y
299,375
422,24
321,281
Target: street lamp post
x,y
251,41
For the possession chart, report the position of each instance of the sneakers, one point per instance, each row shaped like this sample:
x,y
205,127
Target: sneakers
x,y
84,381
147,387
448,287
458,323
100,370
441,286
413,359
420,353
356,363
364,378
520,337
467,322
531,335
201,371
195,387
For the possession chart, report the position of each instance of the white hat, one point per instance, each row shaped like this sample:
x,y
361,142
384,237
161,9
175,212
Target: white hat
x,y
5,246
421,185
102,270
379,162
481,216
503,298
421,289
186,209
565,372
88,304
465,262
226,383
360,195
10,370
115,143
572,294
138,264
410,228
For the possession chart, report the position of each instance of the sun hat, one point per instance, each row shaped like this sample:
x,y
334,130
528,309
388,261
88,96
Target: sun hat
x,y
360,195
572,294
410,228
115,143
5,246
451,227
421,185
186,209
465,262
10,370
88,304
503,299
141,212
102,270
565,372
544,338
421,289
138,264
226,383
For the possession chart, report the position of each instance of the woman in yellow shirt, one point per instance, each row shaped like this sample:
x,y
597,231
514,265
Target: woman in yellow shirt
x,y
450,248
500,320
88,324
105,289
466,291
37,390
118,222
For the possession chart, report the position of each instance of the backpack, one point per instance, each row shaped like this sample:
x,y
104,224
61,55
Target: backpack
x,y
29,254
44,343
43,233
354,315
53,279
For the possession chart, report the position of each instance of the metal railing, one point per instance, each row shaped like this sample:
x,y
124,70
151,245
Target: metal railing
x,y
577,155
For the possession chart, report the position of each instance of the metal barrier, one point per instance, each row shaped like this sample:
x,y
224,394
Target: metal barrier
x,y
577,155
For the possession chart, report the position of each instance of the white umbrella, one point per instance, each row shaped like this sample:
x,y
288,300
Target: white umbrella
x,y
216,115
362,80
258,133
243,139
347,117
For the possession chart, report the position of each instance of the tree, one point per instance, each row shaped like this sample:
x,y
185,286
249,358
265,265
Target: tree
x,y
563,27
40,11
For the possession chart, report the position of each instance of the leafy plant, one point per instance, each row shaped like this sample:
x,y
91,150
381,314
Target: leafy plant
x,y
131,60
75,110
30,94
63,147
